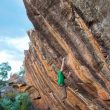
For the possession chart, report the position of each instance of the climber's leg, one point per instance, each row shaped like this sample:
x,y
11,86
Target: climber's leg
x,y
63,92
66,82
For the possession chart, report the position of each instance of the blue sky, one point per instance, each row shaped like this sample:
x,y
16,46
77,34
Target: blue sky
x,y
14,24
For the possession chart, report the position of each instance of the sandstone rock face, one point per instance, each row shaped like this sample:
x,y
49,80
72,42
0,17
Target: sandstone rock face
x,y
79,31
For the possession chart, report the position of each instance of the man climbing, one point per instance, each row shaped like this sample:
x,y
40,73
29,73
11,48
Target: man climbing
x,y
61,79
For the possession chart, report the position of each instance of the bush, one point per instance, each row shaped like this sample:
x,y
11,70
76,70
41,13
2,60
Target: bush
x,y
11,95
3,83
19,102
23,101
1,108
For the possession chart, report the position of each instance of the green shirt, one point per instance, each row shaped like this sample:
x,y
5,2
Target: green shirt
x,y
61,78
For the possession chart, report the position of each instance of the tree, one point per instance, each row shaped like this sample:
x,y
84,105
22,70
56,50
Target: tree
x,y
4,70
22,71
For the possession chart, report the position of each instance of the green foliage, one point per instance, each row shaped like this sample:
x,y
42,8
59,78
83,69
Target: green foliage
x,y
24,101
7,104
21,72
18,102
1,108
4,69
2,83
11,95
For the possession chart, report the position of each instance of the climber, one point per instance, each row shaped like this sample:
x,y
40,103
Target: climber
x,y
61,79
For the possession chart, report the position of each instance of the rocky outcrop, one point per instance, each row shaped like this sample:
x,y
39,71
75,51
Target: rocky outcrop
x,y
78,31
16,85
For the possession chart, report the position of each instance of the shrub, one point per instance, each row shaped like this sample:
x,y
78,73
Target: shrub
x,y
18,102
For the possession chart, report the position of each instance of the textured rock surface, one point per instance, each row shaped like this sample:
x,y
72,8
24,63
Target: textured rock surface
x,y
79,31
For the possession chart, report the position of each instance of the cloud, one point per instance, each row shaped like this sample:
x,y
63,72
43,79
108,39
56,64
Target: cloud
x,y
13,25
12,51
15,64
19,43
